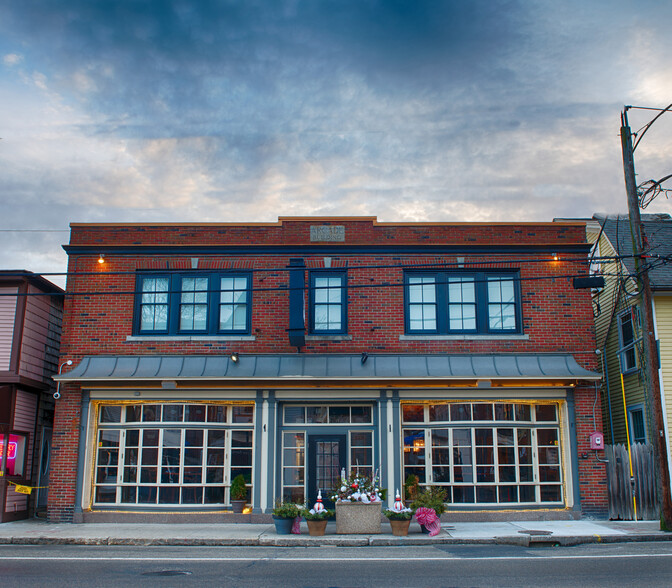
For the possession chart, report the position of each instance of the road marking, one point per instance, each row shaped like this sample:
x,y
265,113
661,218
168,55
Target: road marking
x,y
328,559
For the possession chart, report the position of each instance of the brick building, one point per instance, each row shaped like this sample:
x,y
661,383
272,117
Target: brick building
x,y
285,351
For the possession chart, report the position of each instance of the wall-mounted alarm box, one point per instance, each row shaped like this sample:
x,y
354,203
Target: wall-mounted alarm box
x,y
596,440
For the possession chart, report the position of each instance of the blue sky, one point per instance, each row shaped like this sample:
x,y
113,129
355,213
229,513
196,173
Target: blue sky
x,y
171,111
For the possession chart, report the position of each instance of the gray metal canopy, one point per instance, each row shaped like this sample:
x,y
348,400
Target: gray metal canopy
x,y
326,367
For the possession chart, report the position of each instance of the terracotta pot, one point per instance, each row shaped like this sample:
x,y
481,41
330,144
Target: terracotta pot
x,y
316,528
400,528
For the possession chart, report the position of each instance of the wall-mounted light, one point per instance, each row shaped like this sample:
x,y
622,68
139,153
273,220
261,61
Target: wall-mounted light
x,y
57,394
101,258
555,257
234,357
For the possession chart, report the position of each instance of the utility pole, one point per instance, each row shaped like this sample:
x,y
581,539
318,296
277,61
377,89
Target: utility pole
x,y
649,337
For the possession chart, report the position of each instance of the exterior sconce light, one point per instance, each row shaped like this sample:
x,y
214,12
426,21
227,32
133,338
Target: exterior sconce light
x,y
234,357
555,257
101,258
57,394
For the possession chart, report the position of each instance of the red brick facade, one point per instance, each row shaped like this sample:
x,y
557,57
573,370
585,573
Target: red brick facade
x,y
99,307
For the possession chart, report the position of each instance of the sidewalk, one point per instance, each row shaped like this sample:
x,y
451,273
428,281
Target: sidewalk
x,y
35,531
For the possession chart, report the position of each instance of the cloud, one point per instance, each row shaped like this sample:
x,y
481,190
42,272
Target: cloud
x,y
246,111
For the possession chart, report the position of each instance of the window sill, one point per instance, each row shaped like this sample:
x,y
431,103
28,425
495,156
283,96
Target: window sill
x,y
328,337
190,338
462,337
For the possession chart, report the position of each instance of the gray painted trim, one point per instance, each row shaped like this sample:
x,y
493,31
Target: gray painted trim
x,y
258,450
382,439
462,337
274,442
191,338
573,448
396,428
81,452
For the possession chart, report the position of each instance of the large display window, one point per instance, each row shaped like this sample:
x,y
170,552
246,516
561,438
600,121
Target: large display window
x,y
165,454
16,454
486,453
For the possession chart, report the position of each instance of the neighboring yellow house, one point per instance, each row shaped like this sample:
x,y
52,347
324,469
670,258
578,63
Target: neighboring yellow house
x,y
618,325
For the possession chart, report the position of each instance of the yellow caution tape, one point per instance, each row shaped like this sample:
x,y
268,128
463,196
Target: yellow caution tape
x,y
21,489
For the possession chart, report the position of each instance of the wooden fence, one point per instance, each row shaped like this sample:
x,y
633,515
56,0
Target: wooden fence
x,y
619,485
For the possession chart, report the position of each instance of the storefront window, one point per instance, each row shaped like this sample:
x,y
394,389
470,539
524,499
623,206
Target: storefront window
x,y
16,453
510,454
172,454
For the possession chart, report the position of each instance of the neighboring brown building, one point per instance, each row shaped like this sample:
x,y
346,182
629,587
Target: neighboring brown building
x,y
31,311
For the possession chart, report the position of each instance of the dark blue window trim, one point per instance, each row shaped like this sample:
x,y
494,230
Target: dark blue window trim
x,y
317,301
476,311
175,302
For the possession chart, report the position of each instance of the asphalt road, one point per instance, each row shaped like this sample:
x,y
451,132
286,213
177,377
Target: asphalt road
x,y
624,564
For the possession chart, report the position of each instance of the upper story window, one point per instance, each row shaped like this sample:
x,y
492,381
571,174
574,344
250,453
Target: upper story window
x,y
328,307
465,302
154,303
627,340
203,303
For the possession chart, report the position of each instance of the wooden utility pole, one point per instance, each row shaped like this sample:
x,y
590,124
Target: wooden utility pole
x,y
652,390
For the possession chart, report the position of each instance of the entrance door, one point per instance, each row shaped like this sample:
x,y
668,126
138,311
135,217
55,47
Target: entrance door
x,y
326,457
43,476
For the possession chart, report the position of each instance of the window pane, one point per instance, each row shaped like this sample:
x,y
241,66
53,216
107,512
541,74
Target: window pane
x,y
154,304
233,308
413,413
360,414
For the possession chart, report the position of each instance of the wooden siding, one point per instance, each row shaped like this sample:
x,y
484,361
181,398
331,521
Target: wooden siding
x,y
25,415
38,335
608,303
7,318
663,310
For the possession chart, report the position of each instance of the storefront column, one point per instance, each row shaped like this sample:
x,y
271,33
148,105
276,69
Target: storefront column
x,y
573,449
81,457
265,450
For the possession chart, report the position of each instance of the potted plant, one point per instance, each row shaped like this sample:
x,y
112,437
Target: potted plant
x,y
431,498
358,504
238,493
400,520
411,486
284,514
317,520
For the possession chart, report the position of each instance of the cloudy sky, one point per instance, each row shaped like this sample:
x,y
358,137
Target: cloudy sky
x,y
246,110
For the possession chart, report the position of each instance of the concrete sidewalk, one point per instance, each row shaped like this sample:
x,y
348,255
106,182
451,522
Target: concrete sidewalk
x,y
524,533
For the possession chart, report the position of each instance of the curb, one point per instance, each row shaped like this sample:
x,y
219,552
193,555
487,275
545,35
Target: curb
x,y
522,540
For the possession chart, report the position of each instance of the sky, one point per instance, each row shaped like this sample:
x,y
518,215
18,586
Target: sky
x,y
247,110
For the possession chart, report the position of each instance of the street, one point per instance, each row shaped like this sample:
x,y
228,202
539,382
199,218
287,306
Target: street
x,y
646,564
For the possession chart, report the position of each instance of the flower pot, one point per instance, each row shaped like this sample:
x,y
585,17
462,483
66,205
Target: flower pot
x,y
358,518
283,526
317,528
238,505
400,528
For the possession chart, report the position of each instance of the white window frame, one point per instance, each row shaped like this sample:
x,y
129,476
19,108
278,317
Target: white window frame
x,y
228,427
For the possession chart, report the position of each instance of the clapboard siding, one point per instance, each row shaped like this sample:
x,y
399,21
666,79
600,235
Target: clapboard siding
x,y
663,309
36,337
25,413
7,319
16,502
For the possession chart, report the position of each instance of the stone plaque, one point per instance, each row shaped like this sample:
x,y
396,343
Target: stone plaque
x,y
327,233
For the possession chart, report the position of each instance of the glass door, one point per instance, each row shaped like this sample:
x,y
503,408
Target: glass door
x,y
326,458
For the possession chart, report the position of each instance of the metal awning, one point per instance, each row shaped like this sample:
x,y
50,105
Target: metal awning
x,y
313,367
